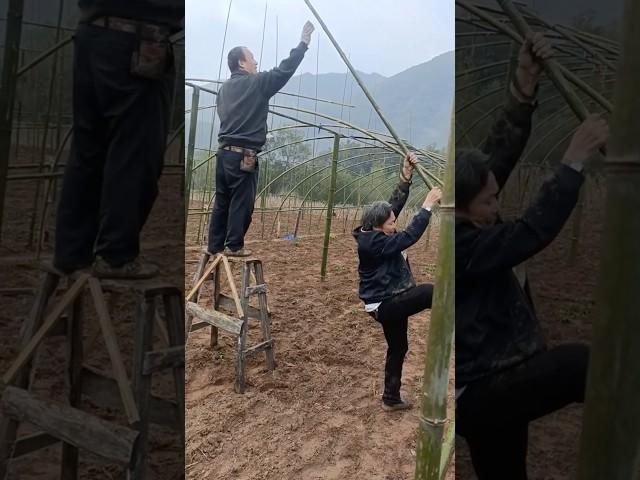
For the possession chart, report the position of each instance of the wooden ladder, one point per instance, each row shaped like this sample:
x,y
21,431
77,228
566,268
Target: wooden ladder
x,y
77,429
238,303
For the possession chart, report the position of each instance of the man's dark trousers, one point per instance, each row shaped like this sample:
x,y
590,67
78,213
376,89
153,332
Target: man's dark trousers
x,y
120,130
234,202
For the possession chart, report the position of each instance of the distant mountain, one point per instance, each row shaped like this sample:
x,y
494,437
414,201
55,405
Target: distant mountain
x,y
417,101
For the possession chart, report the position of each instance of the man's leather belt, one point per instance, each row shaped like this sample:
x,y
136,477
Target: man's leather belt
x,y
130,26
233,148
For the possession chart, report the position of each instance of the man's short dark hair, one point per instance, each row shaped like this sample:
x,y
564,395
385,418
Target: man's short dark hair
x,y
236,54
375,215
472,174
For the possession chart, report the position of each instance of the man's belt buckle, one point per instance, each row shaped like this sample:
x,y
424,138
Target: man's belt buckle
x,y
245,151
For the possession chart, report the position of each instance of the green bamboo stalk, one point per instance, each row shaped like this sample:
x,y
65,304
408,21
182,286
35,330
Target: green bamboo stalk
x,y
43,56
551,65
45,138
332,193
595,53
448,447
356,77
610,444
204,193
359,81
433,415
195,100
330,102
558,67
8,91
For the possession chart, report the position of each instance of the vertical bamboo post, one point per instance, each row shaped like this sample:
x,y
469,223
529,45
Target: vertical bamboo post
x,y
433,414
331,195
427,239
263,197
610,444
8,81
193,123
18,120
45,141
204,193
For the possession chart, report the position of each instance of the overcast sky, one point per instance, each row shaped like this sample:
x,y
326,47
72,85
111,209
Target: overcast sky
x,y
381,36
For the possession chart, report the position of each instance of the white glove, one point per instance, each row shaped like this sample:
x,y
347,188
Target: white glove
x,y
307,30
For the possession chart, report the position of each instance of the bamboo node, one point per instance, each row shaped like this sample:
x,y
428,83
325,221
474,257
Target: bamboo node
x,y
447,207
428,423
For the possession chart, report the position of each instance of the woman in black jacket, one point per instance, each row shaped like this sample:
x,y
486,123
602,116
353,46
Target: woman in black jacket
x,y
506,376
387,287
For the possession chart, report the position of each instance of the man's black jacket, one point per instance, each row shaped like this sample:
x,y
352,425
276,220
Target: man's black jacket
x,y
383,270
243,102
496,324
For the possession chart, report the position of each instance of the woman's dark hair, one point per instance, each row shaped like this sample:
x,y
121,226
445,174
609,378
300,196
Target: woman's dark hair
x,y
375,215
472,174
233,58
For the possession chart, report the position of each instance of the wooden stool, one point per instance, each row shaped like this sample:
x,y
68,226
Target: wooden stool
x,y
67,423
239,303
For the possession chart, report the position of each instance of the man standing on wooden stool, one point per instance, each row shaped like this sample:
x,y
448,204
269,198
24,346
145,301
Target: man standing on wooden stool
x,y
123,80
243,104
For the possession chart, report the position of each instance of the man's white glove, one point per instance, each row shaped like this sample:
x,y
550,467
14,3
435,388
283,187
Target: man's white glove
x,y
307,30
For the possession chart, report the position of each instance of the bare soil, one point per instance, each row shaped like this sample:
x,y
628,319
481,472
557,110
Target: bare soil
x,y
162,242
318,415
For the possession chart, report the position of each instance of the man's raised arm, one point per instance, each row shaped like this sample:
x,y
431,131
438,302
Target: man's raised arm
x,y
273,80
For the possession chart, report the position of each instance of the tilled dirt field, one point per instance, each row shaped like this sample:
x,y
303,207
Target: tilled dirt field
x,y
318,415
162,242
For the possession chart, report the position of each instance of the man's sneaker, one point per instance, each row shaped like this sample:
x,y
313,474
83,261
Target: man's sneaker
x,y
395,406
133,270
243,252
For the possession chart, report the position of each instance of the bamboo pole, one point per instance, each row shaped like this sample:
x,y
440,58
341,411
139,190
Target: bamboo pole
x,y
610,445
195,100
433,414
44,55
551,65
8,91
330,102
332,192
356,76
362,86
45,133
518,38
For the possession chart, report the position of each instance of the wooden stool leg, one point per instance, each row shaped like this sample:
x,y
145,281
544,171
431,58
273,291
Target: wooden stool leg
x,y
204,259
194,294
111,341
175,320
265,322
8,426
142,382
216,304
242,338
162,330
69,467
241,343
